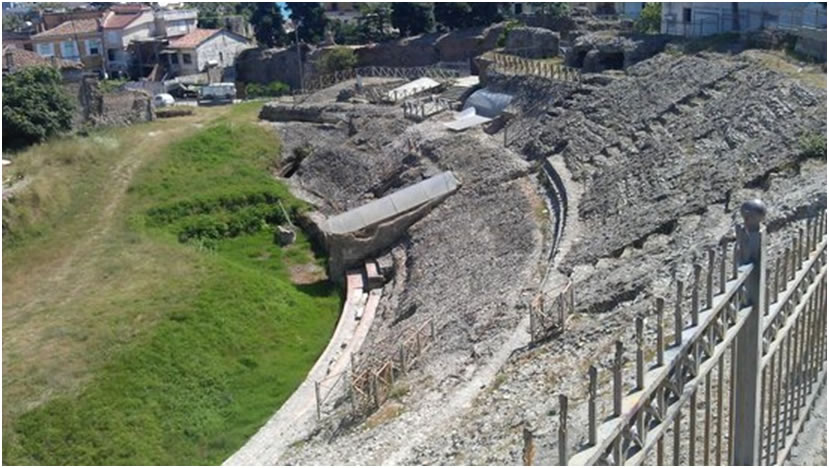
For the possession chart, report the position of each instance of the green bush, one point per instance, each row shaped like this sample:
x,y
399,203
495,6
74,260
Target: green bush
x,y
336,59
502,39
813,145
650,19
35,106
272,89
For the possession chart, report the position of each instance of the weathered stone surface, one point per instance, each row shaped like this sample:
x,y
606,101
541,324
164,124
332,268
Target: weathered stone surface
x,y
284,236
532,42
594,52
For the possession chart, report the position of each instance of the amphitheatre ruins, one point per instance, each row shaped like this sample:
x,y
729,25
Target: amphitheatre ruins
x,y
499,229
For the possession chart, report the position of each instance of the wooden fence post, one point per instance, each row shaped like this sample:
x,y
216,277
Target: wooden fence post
x,y
319,403
749,346
563,452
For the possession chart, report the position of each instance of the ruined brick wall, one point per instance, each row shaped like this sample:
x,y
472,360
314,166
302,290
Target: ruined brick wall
x,y
119,107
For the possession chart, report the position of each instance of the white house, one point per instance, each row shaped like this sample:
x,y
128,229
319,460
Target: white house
x,y
704,18
194,52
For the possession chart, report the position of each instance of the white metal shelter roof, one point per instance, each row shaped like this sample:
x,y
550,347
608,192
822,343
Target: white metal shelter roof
x,y
412,87
488,103
392,205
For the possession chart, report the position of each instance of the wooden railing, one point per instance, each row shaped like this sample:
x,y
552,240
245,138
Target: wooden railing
x,y
514,65
368,384
769,335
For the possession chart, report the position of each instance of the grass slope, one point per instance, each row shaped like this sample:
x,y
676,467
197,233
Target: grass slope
x,y
221,346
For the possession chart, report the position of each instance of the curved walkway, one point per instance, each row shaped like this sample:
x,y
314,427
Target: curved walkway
x,y
296,419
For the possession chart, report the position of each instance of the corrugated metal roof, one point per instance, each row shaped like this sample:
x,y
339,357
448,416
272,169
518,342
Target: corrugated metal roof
x,y
394,204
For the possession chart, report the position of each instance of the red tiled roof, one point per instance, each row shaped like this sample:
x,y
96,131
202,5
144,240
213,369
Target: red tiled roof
x,y
25,58
193,38
120,16
70,28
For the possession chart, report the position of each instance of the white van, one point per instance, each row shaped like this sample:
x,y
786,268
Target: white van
x,y
218,92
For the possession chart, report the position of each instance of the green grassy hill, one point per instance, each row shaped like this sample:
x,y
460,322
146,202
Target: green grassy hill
x,y
149,318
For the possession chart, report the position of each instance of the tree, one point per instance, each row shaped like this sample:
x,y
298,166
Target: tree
x,y
311,20
35,106
345,33
485,13
336,59
453,15
266,19
650,19
412,18
374,21
556,9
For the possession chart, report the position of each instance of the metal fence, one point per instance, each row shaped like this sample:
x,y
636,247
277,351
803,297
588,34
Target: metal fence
x,y
766,328
367,385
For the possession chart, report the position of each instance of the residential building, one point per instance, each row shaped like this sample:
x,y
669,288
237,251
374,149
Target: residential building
x,y
202,48
123,24
15,59
627,9
76,40
52,19
704,18
20,40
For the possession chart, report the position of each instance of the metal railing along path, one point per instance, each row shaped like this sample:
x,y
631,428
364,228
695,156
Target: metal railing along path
x,y
744,372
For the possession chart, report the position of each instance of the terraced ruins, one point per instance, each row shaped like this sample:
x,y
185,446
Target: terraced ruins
x,y
653,162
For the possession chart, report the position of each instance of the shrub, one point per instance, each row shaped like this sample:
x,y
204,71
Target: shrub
x,y
650,19
502,39
272,89
813,145
173,112
336,59
35,106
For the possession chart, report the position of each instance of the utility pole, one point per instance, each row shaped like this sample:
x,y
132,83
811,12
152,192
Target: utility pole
x,y
299,54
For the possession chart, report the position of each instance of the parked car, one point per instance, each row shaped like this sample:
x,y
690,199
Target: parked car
x,y
217,92
163,100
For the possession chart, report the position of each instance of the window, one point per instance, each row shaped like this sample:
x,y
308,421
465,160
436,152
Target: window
x,y
46,49
174,59
519,8
686,15
186,59
69,49
93,47
221,58
111,54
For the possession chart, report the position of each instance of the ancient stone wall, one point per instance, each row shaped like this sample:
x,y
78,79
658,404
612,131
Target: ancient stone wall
x,y
532,42
120,107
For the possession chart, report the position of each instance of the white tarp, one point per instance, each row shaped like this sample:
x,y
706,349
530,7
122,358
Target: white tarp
x,y
413,87
394,204
488,103
467,118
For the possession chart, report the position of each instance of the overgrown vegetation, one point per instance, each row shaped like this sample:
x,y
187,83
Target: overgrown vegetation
x,y
337,59
214,340
509,26
272,89
35,106
169,112
108,86
813,145
650,18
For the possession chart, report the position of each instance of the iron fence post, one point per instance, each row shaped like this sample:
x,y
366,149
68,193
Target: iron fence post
x,y
749,344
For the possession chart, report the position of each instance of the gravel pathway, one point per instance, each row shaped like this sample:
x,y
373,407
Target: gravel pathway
x,y
810,449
